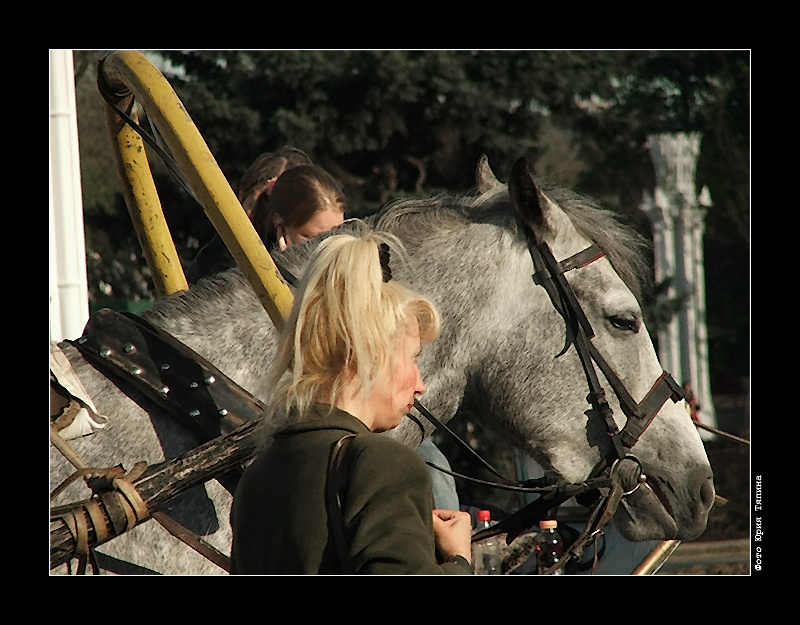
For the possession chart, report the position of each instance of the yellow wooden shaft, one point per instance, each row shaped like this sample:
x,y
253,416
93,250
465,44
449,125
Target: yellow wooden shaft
x,y
143,203
130,71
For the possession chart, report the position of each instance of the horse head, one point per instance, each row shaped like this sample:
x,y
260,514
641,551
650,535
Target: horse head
x,y
678,488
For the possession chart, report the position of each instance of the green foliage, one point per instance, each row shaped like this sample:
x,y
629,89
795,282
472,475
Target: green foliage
x,y
400,123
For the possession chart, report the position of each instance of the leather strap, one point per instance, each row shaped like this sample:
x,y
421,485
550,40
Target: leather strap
x,y
333,502
131,351
205,549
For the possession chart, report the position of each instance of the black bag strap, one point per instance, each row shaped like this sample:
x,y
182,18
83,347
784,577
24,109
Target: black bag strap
x,y
333,502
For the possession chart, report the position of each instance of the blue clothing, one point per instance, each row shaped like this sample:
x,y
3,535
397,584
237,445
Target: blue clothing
x,y
444,485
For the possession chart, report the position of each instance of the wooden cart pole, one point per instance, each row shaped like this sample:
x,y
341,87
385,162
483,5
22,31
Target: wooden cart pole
x,y
129,73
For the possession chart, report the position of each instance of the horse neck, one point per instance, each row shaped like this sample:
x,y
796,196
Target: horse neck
x,y
468,274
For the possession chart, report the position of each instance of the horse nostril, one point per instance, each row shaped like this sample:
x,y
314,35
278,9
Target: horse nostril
x,y
707,492
705,488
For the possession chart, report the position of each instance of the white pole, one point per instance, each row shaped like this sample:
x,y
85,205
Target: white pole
x,y
664,267
678,217
69,296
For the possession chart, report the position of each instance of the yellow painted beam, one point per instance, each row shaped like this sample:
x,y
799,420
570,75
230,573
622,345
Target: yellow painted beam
x,y
143,202
130,72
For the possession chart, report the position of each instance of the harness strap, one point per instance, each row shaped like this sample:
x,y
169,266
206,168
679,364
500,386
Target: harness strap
x,y
191,539
546,260
333,502
131,351
128,348
539,509
576,261
441,427
124,507
597,396
665,388
550,275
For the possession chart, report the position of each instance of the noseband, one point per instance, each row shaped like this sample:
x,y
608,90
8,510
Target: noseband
x,y
604,479
549,273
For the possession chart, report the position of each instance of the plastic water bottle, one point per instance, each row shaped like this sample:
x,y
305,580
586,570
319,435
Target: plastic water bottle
x,y
549,547
486,554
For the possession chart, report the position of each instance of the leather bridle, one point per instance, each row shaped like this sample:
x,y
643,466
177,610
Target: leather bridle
x,y
604,478
550,275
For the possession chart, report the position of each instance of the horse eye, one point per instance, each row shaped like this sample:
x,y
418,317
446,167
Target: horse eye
x,y
629,323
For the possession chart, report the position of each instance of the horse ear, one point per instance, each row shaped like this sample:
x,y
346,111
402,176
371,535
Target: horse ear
x,y
532,205
484,176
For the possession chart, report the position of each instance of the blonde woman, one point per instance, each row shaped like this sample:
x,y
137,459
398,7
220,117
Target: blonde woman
x,y
346,364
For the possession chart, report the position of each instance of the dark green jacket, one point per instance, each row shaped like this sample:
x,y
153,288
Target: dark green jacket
x,y
279,520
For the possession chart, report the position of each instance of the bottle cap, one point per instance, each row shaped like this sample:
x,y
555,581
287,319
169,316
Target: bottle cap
x,y
548,525
484,515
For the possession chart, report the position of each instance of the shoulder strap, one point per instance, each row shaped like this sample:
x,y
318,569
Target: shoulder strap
x,y
333,502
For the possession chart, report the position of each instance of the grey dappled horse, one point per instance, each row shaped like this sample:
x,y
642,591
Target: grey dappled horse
x,y
499,357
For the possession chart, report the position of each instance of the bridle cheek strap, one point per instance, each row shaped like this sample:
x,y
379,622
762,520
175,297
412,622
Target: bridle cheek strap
x,y
549,274
665,388
639,415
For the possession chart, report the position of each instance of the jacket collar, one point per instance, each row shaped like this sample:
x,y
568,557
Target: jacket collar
x,y
318,418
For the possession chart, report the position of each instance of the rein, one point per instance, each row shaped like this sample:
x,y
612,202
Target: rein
x,y
549,274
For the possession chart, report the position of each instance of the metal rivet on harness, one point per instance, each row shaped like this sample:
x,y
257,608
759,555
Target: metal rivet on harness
x,y
209,379
82,340
223,412
135,371
129,348
164,390
105,352
193,385
194,412
164,366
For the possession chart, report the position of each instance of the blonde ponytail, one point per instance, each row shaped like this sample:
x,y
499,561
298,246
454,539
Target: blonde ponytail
x,y
344,321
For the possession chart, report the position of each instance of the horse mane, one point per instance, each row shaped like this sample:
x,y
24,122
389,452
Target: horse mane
x,y
625,248
441,215
202,300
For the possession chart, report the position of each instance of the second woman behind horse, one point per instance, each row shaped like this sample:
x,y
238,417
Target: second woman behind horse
x,y
285,207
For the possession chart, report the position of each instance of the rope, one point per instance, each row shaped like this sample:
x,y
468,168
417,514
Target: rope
x,y
122,498
125,508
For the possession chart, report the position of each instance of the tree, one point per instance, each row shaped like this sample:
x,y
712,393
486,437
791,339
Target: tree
x,y
402,123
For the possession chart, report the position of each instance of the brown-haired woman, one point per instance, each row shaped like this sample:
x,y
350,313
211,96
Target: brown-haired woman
x,y
310,202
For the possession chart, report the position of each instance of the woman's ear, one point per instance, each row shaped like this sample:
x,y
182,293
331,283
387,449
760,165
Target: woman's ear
x,y
280,237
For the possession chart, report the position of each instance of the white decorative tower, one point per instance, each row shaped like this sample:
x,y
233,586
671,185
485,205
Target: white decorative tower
x,y
677,214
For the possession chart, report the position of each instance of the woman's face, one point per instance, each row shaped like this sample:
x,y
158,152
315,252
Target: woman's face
x,y
393,393
320,222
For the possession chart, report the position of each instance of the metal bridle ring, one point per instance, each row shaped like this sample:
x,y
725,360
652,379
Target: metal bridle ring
x,y
639,481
